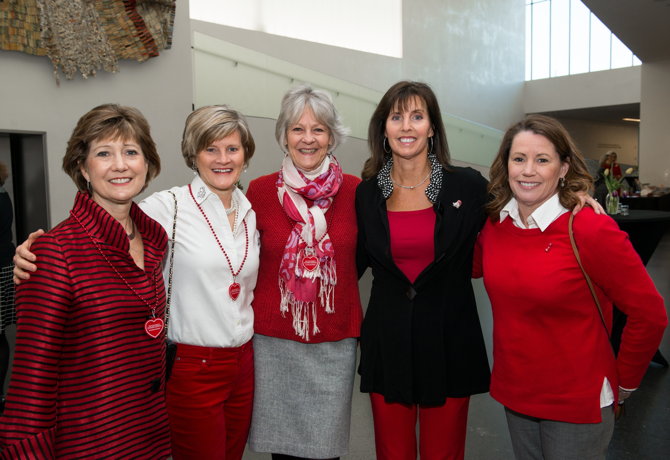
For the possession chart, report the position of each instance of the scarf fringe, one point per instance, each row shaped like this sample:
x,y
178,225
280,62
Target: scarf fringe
x,y
302,311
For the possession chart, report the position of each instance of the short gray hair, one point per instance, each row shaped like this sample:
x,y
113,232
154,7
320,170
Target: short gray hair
x,y
293,105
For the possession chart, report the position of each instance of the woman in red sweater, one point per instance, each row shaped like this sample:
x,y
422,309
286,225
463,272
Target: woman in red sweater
x,y
554,369
307,311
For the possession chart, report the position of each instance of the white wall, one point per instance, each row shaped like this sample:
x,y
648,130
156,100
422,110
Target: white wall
x,y
594,139
594,89
470,51
30,100
655,124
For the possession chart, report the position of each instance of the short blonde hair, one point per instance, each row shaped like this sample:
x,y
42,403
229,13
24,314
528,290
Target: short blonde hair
x,y
109,121
211,123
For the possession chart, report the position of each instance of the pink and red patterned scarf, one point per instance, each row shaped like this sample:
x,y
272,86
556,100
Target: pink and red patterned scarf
x,y
307,269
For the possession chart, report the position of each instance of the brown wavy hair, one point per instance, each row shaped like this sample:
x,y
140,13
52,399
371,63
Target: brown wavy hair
x,y
109,121
400,96
577,179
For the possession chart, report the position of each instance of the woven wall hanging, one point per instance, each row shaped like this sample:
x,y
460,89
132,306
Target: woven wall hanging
x,y
84,36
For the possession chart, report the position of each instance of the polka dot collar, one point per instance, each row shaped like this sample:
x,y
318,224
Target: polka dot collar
x,y
432,190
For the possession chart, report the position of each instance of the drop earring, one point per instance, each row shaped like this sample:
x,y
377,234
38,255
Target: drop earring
x,y
384,144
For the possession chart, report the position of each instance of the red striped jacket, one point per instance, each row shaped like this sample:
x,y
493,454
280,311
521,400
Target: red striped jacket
x,y
87,381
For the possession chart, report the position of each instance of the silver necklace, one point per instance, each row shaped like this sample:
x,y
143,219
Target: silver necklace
x,y
233,207
411,187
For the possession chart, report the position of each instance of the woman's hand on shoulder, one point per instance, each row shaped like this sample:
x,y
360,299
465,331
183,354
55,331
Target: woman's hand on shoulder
x,y
23,258
586,199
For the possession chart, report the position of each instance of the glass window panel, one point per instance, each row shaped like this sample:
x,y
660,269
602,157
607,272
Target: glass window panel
x,y
540,36
621,55
560,38
600,45
579,37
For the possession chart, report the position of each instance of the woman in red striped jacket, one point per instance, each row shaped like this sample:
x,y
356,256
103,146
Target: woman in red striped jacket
x,y
89,364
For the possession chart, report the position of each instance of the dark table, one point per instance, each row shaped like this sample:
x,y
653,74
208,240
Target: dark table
x,y
645,229
655,203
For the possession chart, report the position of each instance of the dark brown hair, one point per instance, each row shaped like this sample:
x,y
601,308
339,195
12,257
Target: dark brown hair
x,y
577,179
399,96
109,121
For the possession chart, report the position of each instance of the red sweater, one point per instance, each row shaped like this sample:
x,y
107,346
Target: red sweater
x,y
274,227
87,381
550,348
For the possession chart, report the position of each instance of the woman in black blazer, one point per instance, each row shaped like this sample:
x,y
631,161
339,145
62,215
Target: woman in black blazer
x,y
422,350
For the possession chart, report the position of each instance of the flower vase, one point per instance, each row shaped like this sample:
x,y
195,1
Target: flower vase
x,y
612,203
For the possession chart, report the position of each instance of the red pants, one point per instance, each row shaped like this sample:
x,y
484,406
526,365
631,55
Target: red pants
x,y
441,429
209,400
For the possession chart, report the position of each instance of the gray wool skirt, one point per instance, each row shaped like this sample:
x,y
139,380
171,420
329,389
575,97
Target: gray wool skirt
x,y
302,399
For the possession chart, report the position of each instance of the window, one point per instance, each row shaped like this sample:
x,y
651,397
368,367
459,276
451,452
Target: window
x,y
563,38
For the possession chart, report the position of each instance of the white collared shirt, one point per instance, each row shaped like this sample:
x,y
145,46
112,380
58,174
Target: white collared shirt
x,y
542,218
201,310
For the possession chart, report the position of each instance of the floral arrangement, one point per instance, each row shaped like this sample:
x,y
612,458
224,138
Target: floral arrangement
x,y
612,183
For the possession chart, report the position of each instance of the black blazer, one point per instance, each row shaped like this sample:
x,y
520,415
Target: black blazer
x,y
422,342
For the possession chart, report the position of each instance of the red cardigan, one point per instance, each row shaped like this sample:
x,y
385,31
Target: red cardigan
x,y
87,381
550,348
274,227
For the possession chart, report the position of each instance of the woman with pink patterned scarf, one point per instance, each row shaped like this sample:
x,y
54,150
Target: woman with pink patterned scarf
x,y
306,303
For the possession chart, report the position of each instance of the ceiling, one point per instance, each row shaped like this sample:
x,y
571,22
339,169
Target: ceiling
x,y
607,114
642,25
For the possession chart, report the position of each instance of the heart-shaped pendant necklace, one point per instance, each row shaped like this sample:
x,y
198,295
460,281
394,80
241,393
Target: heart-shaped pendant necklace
x,y
153,326
309,259
234,289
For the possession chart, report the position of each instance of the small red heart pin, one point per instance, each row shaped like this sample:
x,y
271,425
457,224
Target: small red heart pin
x,y
310,263
154,327
234,291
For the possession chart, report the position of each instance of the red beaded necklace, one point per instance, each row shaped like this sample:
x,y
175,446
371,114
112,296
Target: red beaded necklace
x,y
153,326
234,289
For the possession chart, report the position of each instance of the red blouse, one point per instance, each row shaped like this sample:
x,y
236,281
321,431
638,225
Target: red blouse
x,y
412,240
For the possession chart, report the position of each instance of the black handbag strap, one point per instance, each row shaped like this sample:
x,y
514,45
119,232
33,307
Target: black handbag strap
x,y
174,232
586,275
